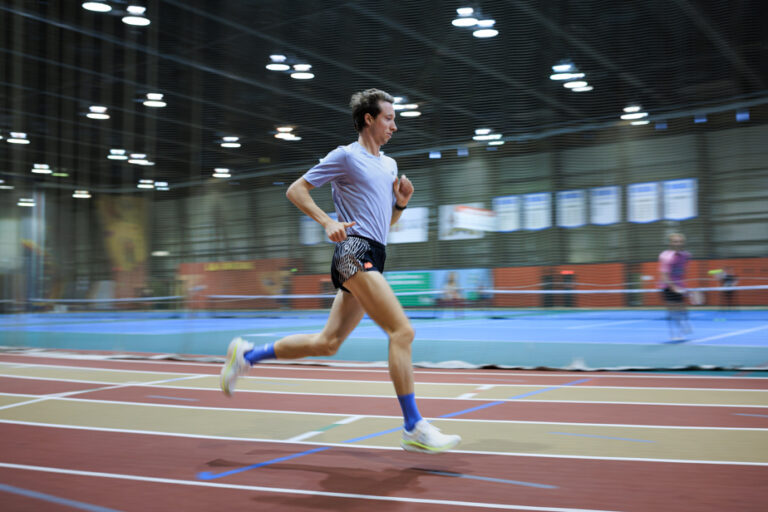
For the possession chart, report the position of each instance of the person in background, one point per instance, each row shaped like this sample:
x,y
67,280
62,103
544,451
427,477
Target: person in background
x,y
672,266
728,280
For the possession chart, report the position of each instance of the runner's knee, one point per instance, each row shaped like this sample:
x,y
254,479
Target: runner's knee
x,y
402,336
326,345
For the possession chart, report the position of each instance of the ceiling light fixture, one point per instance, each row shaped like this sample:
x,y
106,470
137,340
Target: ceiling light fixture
x,y
230,142
117,154
154,100
632,108
586,88
81,194
563,66
18,138
485,33
27,202
221,172
299,75
566,76
96,6
97,112
410,113
41,169
136,16
634,115
575,84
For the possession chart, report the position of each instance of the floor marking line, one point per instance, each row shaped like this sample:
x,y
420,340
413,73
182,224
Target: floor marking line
x,y
304,492
347,421
487,478
68,395
729,334
465,396
54,499
375,447
208,475
605,324
387,382
498,402
279,411
173,398
305,435
602,437
755,415
333,366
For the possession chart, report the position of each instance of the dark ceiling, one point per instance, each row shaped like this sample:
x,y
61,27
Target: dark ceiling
x,y
208,58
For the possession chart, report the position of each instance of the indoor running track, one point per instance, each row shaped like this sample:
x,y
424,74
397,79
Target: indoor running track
x,y
101,435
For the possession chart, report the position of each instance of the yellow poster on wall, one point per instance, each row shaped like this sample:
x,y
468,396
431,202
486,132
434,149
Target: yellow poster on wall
x,y
123,221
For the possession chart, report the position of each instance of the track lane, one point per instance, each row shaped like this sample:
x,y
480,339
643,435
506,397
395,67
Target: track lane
x,y
602,485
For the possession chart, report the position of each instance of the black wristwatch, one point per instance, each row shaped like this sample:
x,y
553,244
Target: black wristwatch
x,y
401,208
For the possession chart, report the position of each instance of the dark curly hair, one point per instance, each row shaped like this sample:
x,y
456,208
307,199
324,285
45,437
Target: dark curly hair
x,y
367,102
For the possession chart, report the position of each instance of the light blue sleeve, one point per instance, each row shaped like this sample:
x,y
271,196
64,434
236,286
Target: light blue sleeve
x,y
330,168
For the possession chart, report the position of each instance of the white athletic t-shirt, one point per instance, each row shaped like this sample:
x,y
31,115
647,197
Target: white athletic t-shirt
x,y
361,187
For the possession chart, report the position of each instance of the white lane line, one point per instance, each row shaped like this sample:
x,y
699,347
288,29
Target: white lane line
x,y
355,367
313,433
729,334
604,324
395,418
283,490
387,382
375,447
465,396
302,437
69,394
347,421
486,387
426,397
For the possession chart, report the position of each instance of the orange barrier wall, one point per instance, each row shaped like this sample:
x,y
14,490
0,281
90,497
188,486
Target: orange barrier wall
x,y
248,277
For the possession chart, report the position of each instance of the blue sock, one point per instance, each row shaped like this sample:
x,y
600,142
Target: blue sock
x,y
410,411
265,351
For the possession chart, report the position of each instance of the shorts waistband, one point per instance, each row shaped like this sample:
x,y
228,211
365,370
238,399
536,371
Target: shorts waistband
x,y
374,243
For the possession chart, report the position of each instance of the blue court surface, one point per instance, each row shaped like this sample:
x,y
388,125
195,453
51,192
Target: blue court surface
x,y
580,339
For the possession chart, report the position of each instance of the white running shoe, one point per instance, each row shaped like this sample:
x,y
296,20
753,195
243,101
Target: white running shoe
x,y
427,438
236,364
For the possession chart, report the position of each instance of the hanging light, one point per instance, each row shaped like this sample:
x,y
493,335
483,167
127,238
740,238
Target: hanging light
x,y
136,16
96,6
154,100
230,142
18,138
97,112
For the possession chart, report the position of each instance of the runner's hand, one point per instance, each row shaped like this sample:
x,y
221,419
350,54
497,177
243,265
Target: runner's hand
x,y
403,189
337,231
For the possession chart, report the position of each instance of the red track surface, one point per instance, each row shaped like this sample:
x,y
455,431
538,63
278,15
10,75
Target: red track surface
x,y
578,483
613,485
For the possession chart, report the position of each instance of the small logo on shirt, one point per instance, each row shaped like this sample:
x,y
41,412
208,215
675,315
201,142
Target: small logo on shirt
x,y
368,265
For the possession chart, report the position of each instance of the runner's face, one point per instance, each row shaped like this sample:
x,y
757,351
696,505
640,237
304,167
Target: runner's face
x,y
676,242
383,125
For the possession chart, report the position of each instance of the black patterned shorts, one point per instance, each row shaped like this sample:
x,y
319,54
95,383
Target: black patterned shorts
x,y
354,254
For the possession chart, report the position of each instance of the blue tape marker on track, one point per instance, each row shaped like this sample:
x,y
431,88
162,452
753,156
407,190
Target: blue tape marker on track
x,y
603,437
207,475
54,499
